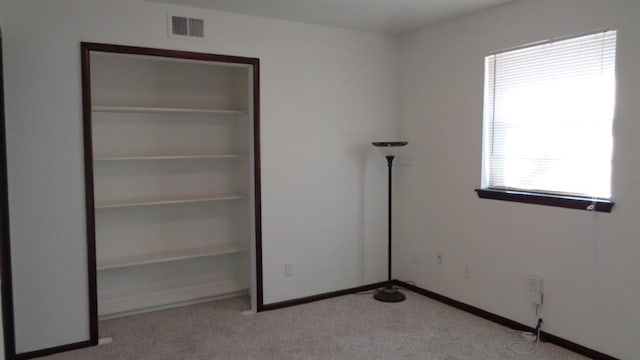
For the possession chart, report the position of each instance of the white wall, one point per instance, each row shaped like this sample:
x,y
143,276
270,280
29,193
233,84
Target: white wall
x,y
326,93
590,261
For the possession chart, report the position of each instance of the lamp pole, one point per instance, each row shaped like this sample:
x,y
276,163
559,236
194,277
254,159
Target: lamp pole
x,y
389,293
390,165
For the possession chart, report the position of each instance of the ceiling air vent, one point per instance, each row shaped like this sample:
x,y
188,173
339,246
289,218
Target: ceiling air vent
x,y
183,26
196,27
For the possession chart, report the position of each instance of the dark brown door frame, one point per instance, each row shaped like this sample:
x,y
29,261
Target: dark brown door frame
x,y
86,49
5,246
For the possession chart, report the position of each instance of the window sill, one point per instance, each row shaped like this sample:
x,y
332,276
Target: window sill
x,y
570,202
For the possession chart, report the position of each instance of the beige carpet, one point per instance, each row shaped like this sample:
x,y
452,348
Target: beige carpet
x,y
347,327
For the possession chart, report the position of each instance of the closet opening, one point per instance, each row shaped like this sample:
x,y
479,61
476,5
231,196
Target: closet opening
x,y
172,171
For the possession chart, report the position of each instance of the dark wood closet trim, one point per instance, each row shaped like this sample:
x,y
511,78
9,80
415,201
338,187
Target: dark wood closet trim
x,y
5,246
53,350
86,49
177,54
544,336
89,196
257,182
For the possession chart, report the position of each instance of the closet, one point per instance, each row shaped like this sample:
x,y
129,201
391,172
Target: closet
x,y
172,173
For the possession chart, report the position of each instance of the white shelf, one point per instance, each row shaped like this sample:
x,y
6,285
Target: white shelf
x,y
166,201
120,302
165,110
167,157
166,256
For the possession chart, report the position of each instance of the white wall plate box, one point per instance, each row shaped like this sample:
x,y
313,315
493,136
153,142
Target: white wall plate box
x,y
536,289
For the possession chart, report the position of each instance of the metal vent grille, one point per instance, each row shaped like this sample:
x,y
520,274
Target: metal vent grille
x,y
196,27
181,26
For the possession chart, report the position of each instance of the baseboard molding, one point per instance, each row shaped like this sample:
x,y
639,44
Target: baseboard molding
x,y
308,299
544,336
53,350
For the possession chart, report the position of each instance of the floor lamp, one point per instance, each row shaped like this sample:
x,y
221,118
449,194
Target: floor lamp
x,y
389,293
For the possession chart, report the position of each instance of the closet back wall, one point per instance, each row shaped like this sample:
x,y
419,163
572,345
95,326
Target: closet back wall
x,y
326,93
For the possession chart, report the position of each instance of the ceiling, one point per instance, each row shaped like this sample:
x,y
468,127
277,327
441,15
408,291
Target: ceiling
x,y
385,16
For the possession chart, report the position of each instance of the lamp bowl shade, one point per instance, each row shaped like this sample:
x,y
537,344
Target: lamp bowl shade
x,y
389,148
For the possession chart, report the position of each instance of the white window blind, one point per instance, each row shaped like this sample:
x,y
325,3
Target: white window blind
x,y
549,111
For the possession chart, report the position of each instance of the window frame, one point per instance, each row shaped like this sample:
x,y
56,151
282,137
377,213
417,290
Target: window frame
x,y
541,198
588,203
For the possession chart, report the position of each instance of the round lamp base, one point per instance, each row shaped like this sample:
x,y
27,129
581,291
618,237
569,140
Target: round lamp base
x,y
389,294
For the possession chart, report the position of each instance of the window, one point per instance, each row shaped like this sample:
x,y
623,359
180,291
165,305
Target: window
x,y
548,122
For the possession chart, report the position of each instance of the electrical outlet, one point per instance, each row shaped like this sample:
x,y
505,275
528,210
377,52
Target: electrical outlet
x,y
439,258
288,269
467,272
